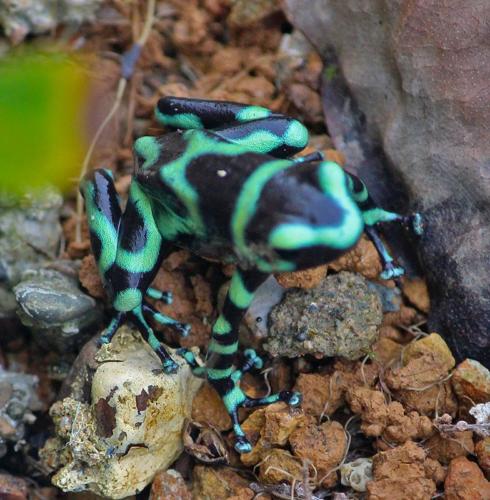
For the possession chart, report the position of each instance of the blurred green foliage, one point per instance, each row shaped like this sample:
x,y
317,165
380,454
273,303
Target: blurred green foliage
x,y
42,129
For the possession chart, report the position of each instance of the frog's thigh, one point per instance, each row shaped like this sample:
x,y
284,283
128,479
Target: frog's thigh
x,y
277,135
187,113
103,217
139,252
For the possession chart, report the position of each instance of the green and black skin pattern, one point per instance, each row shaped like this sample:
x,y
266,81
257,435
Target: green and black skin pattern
x,y
224,185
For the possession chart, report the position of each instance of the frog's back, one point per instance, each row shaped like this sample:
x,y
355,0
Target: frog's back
x,y
193,179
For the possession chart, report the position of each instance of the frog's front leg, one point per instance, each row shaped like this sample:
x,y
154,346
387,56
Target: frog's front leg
x,y
374,215
221,373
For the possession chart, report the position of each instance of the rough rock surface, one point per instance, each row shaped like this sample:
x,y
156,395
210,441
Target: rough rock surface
x,y
419,70
132,426
18,399
18,19
338,318
29,237
52,305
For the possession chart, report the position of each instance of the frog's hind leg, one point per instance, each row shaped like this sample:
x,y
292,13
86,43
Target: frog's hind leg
x,y
139,254
168,364
104,216
162,319
223,348
255,128
374,215
185,113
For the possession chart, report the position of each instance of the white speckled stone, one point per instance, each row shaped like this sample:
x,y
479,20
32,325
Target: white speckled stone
x,y
132,429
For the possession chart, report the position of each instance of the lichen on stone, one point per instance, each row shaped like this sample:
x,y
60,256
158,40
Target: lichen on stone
x,y
338,318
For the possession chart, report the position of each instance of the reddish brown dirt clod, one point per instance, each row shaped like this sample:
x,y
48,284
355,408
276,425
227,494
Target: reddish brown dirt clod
x,y
400,473
90,278
465,481
406,316
278,466
482,450
211,483
184,306
269,427
387,420
322,394
13,488
421,381
309,278
471,382
323,445
208,408
444,448
363,259
169,484
386,351
417,293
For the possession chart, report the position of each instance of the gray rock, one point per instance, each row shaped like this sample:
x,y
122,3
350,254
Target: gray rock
x,y
340,317
420,71
18,19
18,399
29,233
266,297
390,297
52,305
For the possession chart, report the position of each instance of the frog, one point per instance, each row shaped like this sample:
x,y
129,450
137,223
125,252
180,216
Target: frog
x,y
228,183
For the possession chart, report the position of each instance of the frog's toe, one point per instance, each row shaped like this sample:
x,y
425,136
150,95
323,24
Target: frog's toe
x,y
169,366
103,340
162,295
390,272
292,398
242,445
253,360
417,224
183,328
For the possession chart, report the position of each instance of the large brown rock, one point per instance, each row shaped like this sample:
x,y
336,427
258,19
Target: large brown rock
x,y
419,70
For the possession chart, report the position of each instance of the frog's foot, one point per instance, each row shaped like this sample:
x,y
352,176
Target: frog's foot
x,y
197,369
111,329
417,224
390,271
235,398
162,319
168,364
252,361
163,296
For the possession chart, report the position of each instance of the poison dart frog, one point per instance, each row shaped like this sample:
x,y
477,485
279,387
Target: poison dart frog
x,y
225,185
